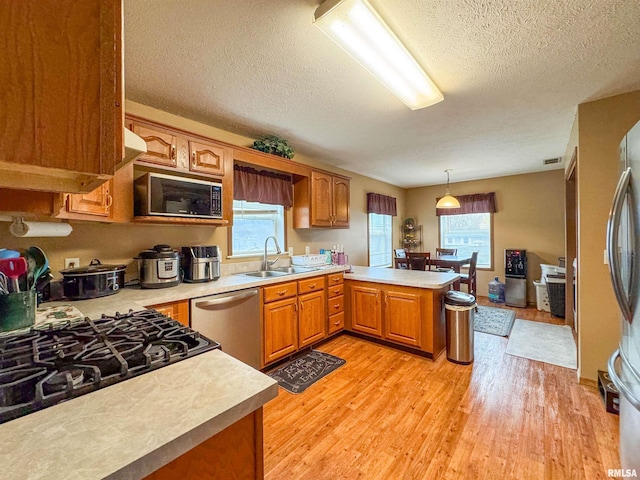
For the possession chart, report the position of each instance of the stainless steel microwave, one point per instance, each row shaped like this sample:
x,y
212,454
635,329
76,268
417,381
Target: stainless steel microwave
x,y
173,196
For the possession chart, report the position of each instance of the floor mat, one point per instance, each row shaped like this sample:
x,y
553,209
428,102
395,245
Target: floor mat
x,y
496,321
298,374
543,342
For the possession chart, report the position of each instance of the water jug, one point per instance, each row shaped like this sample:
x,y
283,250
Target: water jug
x,y
496,291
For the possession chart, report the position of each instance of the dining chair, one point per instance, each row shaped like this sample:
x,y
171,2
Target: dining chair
x,y
400,260
470,279
417,262
446,251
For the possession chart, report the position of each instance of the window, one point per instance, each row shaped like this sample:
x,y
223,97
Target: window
x,y
469,232
253,222
380,240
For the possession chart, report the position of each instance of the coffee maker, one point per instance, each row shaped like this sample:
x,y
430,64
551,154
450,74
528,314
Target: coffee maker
x,y
201,263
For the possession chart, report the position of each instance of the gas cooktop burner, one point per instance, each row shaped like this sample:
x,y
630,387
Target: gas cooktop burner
x,y
53,363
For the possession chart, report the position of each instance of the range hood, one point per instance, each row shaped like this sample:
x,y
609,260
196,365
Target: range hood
x,y
134,146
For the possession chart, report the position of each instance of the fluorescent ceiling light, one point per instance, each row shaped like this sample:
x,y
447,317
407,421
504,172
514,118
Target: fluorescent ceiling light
x,y
356,27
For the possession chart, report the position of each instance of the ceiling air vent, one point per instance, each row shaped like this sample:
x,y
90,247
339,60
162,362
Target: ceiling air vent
x,y
552,161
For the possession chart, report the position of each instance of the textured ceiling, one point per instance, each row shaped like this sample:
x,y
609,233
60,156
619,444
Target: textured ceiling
x,y
512,73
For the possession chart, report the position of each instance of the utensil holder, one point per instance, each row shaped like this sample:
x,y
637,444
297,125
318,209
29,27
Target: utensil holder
x,y
17,310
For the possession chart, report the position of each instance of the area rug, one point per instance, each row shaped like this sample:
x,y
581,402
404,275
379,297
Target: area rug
x,y
496,321
543,342
304,371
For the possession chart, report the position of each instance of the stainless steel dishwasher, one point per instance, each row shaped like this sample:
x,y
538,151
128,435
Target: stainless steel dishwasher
x,y
233,320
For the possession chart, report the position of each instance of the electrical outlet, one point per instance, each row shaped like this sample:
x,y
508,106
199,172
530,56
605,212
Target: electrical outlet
x,y
71,263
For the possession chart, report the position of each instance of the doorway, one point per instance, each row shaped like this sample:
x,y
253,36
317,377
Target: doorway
x,y
571,239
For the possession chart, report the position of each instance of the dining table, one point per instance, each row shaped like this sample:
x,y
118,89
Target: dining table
x,y
450,261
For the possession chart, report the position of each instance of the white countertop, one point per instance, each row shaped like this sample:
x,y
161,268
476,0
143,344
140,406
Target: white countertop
x,y
136,298
407,278
132,428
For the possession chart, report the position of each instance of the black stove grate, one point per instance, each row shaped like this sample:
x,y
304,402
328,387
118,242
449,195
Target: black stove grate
x,y
52,363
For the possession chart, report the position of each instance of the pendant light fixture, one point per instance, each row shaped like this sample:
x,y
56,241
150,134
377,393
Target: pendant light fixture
x,y
448,201
361,32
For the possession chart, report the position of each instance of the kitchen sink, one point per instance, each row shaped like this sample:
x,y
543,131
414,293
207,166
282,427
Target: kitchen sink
x,y
265,274
279,272
291,270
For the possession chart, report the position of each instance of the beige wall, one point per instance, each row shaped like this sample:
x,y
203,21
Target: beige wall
x,y
120,243
602,124
530,215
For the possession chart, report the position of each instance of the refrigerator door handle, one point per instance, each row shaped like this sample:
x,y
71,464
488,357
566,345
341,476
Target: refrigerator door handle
x,y
613,225
618,382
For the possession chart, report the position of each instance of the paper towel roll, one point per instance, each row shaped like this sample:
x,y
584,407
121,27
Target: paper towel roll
x,y
40,229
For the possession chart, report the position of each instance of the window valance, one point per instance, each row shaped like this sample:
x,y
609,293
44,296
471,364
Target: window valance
x,y
262,186
381,204
476,203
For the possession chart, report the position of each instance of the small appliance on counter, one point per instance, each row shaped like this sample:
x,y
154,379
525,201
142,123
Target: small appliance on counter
x,y
92,281
159,267
201,263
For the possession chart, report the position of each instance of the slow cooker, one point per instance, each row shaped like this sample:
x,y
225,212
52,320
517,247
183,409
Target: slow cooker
x,y
159,267
92,281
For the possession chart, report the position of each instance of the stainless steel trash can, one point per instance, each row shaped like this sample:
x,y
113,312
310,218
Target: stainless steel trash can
x,y
459,310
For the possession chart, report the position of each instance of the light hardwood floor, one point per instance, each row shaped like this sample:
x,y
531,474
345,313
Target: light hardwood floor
x,y
387,414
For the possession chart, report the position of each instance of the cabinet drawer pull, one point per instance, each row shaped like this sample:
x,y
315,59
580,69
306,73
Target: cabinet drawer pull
x,y
336,306
313,285
337,323
173,152
109,201
193,159
281,292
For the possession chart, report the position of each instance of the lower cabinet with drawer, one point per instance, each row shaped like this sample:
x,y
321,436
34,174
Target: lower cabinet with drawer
x,y
294,316
335,302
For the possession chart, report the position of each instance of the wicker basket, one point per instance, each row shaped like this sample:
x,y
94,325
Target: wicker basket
x,y
556,291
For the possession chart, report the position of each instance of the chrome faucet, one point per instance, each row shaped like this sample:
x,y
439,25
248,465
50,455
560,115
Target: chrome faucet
x,y
266,263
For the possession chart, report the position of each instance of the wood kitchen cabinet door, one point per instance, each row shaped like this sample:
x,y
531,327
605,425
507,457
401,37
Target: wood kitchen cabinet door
x,y
161,145
61,73
366,311
312,318
177,310
402,317
280,329
321,203
340,197
98,202
207,157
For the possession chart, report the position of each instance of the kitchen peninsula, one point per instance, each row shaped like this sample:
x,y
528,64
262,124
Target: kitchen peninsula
x,y
398,307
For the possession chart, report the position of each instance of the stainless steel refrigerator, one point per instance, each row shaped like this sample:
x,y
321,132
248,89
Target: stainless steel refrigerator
x,y
623,247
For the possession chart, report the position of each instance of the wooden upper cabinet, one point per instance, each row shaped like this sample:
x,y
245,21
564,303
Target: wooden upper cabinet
x,y
340,197
321,200
162,145
61,121
98,202
206,158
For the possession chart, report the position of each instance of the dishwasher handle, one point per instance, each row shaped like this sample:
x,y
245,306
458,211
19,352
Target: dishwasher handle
x,y
226,299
